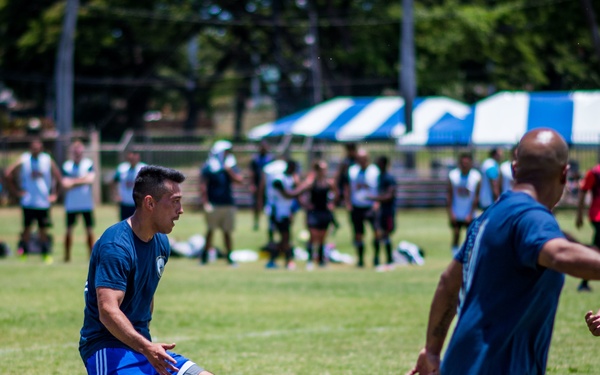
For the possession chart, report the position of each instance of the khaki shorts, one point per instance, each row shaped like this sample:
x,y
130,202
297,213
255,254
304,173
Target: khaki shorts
x,y
221,217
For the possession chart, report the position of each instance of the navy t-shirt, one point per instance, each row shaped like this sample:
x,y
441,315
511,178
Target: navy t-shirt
x,y
508,301
121,261
257,164
386,181
218,186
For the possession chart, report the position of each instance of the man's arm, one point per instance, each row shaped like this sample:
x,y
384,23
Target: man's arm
x,y
449,200
475,201
10,175
119,326
235,176
580,206
441,314
571,258
56,181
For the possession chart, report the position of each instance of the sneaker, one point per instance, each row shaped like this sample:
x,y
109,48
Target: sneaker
x,y
47,259
271,265
310,266
291,266
584,287
381,268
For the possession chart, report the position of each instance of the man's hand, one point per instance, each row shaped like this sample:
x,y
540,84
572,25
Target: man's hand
x,y
452,218
159,358
427,364
52,198
593,322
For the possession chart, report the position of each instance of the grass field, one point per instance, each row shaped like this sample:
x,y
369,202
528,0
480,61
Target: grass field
x,y
251,321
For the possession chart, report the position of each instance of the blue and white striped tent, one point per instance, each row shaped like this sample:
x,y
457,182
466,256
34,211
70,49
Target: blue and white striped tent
x,y
361,118
503,118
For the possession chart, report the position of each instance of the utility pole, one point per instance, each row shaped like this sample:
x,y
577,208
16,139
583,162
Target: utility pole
x,y
63,80
590,16
408,86
315,61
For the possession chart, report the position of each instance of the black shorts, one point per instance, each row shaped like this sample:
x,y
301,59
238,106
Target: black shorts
x,y
386,221
318,219
126,211
460,224
282,225
358,216
88,217
42,216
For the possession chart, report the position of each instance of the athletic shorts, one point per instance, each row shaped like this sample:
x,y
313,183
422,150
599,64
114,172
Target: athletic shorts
x,y
221,217
41,216
88,218
121,361
282,225
126,211
318,219
460,224
386,221
358,216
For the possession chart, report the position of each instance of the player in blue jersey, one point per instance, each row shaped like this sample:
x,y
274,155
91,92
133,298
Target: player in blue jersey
x,y
127,263
509,274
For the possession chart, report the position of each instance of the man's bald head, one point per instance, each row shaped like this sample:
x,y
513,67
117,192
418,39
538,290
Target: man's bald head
x,y
542,156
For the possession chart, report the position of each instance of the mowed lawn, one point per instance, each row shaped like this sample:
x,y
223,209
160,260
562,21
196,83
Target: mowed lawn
x,y
249,320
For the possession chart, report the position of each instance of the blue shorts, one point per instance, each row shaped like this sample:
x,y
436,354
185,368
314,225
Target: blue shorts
x,y
120,361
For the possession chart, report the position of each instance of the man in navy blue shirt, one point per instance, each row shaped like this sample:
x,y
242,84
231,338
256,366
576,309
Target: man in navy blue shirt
x,y
385,217
509,274
126,265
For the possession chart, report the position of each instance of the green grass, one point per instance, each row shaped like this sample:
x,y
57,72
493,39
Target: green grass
x,y
248,320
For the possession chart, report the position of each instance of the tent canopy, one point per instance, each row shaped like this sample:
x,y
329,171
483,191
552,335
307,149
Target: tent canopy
x,y
361,118
505,117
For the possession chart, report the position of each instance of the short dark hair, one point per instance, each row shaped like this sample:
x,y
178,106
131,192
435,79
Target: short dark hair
x,y
494,152
467,155
150,181
383,161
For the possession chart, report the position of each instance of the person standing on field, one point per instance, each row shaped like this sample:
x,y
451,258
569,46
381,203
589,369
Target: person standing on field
x,y
35,178
78,177
126,266
216,194
463,190
257,164
507,277
385,216
124,180
590,184
490,179
362,186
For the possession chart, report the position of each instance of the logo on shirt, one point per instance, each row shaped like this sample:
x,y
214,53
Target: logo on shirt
x,y
160,265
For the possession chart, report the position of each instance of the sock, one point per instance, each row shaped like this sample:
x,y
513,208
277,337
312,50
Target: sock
x,y
309,250
376,252
321,254
388,250
360,248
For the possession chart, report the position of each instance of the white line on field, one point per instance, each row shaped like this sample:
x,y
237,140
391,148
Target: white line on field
x,y
271,333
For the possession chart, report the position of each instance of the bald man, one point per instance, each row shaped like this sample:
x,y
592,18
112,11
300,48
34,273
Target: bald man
x,y
508,275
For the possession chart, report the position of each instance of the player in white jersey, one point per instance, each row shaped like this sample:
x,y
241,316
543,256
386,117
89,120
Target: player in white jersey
x,y
362,186
282,195
463,190
506,176
490,179
39,179
78,177
124,180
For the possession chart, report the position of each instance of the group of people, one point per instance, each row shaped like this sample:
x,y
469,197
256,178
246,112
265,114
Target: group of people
x,y
367,190
37,181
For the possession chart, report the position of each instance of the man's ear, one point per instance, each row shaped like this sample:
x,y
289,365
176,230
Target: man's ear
x,y
563,174
149,202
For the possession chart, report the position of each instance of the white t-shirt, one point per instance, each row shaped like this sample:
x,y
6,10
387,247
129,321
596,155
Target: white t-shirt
x,y
463,192
36,180
79,198
125,176
281,206
363,184
271,171
489,171
507,177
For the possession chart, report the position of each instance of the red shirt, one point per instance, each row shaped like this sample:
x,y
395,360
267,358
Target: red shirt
x,y
591,182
